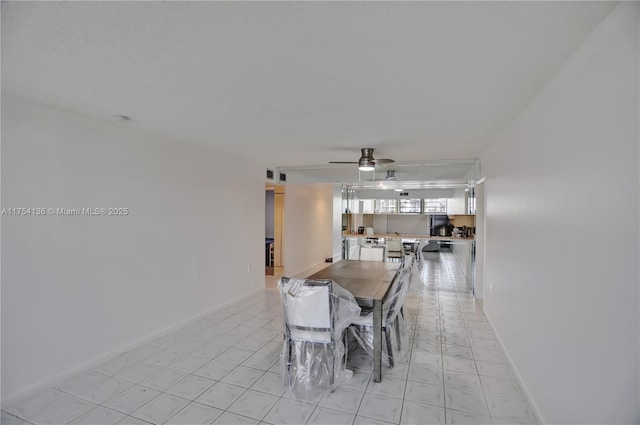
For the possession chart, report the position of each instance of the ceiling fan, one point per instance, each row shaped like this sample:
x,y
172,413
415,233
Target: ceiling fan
x,y
366,162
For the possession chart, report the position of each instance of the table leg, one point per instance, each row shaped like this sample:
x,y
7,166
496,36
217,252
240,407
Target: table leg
x,y
377,340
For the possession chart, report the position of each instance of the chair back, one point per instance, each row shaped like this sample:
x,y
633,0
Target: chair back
x,y
307,307
394,302
395,245
371,253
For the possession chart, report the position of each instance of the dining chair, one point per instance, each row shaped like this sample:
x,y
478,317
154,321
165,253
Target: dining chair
x,y
316,316
362,327
372,253
395,249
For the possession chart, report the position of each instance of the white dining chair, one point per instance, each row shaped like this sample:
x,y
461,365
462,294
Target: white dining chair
x,y
395,249
316,315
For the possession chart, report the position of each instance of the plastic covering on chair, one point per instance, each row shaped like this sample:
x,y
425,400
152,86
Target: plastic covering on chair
x,y
316,315
395,331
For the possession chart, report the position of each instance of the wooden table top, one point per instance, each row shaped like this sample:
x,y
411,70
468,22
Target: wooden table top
x,y
366,280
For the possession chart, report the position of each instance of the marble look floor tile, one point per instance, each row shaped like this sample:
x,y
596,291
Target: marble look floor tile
x,y
163,379
99,416
243,376
504,388
37,403
164,358
105,391
495,370
215,369
489,344
424,393
83,382
460,365
62,409
229,418
425,373
235,355
221,395
361,420
359,380
131,399
191,387
253,404
272,347
323,416
161,408
343,399
455,417
262,361
462,381
252,344
466,401
138,372
130,420
399,371
189,363
211,350
421,414
270,383
8,419
487,355
457,351
389,387
380,407
289,412
195,414
510,410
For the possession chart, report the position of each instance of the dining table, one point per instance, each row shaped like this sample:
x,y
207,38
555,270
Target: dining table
x,y
370,283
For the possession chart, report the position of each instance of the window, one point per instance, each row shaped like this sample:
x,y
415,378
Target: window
x,y
410,206
434,206
386,206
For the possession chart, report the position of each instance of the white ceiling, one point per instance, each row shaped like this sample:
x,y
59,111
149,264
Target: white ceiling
x,y
297,83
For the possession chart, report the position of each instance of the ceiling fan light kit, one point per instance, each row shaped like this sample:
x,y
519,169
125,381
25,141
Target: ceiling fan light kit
x,y
366,162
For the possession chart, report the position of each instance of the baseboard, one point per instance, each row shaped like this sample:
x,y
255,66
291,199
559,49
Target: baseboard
x,y
58,379
527,394
308,271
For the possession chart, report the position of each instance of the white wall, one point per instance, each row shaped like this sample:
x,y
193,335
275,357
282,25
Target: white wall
x,y
308,226
74,288
480,242
562,224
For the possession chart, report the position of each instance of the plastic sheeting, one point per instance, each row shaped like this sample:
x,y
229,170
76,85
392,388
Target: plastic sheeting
x,y
395,344
313,353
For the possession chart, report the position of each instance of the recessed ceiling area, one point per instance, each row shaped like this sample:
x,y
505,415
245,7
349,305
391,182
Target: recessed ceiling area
x,y
290,84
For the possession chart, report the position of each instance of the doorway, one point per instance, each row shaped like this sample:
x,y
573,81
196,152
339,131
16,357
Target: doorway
x,y
274,230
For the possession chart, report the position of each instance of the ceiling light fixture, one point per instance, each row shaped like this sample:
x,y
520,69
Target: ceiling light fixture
x,y
397,189
366,164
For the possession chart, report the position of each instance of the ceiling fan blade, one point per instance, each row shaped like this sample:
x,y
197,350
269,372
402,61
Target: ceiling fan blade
x,y
343,162
383,161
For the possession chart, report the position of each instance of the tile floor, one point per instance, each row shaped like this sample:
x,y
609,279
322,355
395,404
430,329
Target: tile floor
x,y
224,369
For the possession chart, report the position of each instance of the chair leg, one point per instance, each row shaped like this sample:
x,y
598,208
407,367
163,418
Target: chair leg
x,y
397,325
387,336
332,363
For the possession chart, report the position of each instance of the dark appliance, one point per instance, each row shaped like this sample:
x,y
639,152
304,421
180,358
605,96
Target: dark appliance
x,y
437,222
360,230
